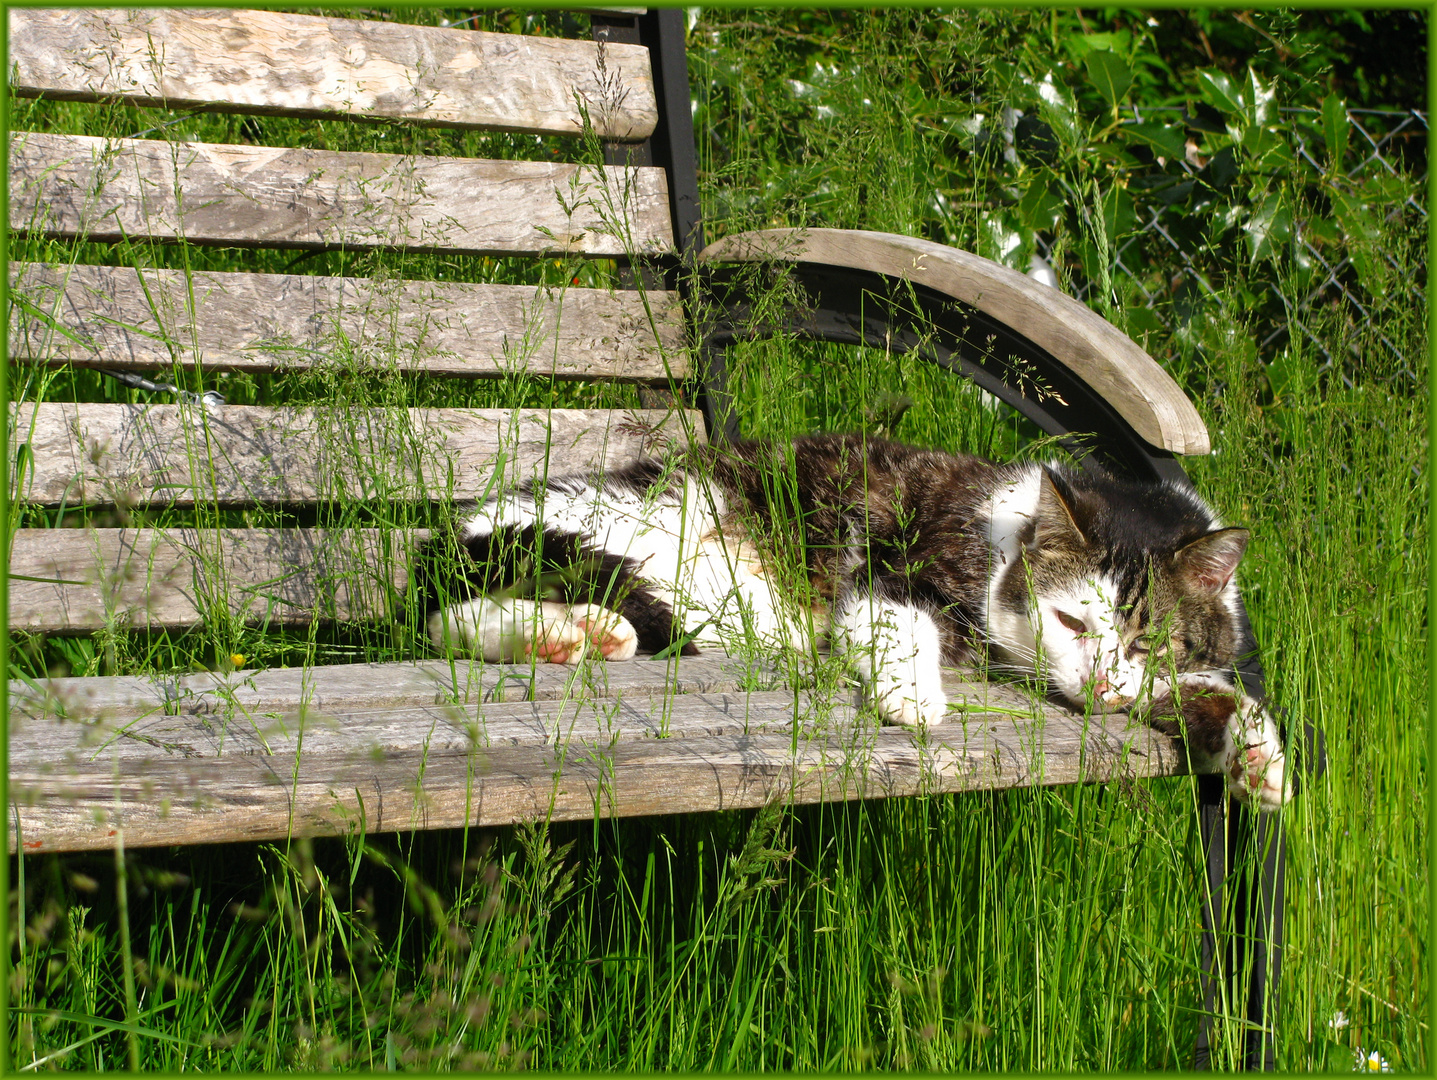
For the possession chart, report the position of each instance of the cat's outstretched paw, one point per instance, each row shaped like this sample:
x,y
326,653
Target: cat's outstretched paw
x,y
897,651
1257,775
555,642
1255,766
910,704
564,635
506,631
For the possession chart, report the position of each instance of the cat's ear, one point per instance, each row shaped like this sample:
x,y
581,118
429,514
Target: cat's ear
x,y
1208,563
1054,522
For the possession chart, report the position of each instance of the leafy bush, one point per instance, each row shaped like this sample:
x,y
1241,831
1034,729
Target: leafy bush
x,y
1150,181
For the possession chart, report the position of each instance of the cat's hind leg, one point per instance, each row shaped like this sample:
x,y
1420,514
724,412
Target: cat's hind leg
x,y
607,631
511,630
506,630
515,592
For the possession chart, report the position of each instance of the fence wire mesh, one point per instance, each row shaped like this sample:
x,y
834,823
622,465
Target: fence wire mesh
x,y
1164,258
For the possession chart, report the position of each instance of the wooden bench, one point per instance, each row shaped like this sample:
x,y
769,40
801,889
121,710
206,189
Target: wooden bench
x,y
248,755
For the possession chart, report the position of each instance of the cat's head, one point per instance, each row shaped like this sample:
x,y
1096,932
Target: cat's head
x,y
1120,582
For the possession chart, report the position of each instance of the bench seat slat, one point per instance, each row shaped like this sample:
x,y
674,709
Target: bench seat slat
x,y
440,767
120,316
310,66
356,689
441,728
68,580
111,189
180,455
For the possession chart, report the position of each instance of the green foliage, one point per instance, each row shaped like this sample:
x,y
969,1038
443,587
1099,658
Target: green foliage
x,y
1074,140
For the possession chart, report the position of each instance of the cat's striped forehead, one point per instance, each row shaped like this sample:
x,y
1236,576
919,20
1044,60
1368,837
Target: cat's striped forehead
x,y
1077,541
1133,519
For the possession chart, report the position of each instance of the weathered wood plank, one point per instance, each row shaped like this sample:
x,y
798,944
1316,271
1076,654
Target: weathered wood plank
x,y
356,688
144,319
1096,351
303,65
110,189
164,740
101,454
360,687
200,780
66,580
631,700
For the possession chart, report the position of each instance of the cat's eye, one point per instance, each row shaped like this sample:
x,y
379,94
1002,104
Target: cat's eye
x,y
1150,647
1077,626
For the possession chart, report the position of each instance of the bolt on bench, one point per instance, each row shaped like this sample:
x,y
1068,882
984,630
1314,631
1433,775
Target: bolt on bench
x,y
250,755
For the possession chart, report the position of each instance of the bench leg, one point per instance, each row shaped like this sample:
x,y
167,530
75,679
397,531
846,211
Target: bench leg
x,y
1258,923
1241,973
1211,825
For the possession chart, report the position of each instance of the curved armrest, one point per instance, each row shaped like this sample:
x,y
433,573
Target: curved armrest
x,y
1090,347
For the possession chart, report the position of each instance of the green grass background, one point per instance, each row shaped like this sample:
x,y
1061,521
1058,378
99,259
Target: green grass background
x,y
1033,929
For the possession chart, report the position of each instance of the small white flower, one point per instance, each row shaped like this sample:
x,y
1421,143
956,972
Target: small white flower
x,y
1373,1062
1339,1020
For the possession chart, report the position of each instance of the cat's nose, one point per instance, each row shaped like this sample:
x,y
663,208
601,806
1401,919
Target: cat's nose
x,y
1106,693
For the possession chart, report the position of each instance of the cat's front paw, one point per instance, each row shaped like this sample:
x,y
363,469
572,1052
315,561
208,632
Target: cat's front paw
x,y
897,651
1255,766
911,704
1257,775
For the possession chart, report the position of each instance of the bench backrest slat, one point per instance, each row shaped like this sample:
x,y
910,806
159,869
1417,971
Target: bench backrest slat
x,y
180,455
197,466
113,189
119,316
70,580
305,65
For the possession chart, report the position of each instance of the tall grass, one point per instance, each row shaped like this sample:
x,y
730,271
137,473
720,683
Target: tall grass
x,y
1036,928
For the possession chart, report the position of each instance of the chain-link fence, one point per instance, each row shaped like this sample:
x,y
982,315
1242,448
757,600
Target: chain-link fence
x,y
1391,143
1393,151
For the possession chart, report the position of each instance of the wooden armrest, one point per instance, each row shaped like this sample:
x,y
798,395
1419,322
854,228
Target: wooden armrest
x,y
1089,346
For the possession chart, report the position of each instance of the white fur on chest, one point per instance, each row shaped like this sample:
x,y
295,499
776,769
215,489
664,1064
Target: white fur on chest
x,y
1034,640
1011,508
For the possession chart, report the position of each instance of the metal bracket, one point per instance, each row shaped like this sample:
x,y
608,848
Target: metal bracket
x,y
212,400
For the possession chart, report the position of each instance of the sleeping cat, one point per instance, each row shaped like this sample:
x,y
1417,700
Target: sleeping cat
x,y
1120,594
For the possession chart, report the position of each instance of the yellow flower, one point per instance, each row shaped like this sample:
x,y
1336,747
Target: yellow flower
x,y
1373,1062
237,659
